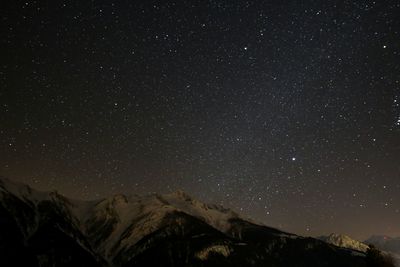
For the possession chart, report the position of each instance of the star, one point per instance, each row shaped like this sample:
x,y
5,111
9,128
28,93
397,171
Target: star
x,y
235,104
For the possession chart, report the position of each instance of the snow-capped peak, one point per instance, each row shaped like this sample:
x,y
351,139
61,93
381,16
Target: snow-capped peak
x,y
133,217
345,242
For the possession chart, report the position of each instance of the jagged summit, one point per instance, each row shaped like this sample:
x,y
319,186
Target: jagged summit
x,y
344,241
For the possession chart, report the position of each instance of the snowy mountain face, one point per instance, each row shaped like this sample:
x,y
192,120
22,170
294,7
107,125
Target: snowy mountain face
x,y
48,229
345,242
115,224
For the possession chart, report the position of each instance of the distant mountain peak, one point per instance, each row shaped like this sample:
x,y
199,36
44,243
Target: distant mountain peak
x,y
344,241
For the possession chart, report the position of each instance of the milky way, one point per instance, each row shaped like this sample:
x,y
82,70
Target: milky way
x,y
285,111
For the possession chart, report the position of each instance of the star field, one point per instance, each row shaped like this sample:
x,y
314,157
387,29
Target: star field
x,y
287,112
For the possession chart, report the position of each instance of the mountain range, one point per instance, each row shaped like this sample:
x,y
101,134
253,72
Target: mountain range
x,y
48,229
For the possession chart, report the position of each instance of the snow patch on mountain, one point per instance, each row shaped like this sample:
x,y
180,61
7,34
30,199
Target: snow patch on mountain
x,y
216,216
345,242
214,249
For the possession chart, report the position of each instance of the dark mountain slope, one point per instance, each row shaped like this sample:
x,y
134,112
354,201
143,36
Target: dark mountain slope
x,y
47,229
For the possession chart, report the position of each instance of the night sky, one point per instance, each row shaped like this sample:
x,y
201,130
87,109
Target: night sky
x,y
285,111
